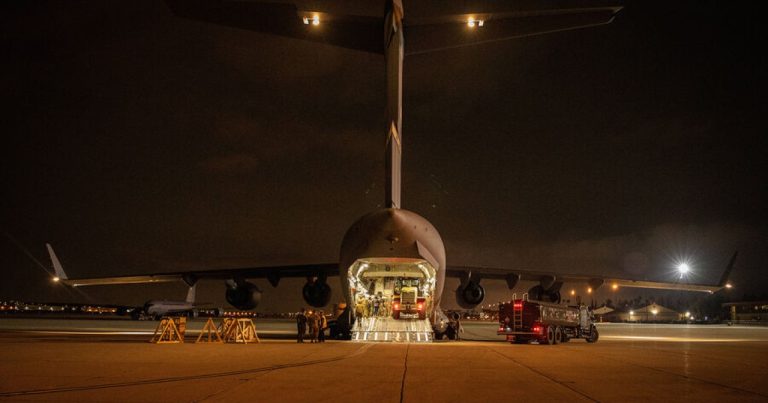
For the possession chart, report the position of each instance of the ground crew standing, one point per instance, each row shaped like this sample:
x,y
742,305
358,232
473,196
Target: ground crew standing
x,y
323,324
301,325
312,321
459,328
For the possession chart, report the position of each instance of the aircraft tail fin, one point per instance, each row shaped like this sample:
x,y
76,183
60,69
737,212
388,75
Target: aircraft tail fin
x,y
57,268
727,273
191,295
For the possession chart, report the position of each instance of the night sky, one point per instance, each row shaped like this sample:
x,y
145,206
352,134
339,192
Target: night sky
x,y
136,141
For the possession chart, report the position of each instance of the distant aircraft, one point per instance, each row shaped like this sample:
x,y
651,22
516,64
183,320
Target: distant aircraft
x,y
393,259
154,308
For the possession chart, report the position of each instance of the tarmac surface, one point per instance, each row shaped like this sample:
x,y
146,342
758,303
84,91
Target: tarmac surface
x,y
76,361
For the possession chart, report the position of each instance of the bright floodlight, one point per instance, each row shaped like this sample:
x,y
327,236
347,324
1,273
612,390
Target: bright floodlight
x,y
471,22
683,268
315,20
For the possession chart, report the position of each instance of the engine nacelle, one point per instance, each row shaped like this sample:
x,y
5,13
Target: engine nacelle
x,y
243,295
470,294
316,293
538,293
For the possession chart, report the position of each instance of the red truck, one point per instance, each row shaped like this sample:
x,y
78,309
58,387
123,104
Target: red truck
x,y
523,321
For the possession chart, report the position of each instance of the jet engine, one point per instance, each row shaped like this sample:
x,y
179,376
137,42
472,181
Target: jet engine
x,y
540,294
316,293
470,294
243,295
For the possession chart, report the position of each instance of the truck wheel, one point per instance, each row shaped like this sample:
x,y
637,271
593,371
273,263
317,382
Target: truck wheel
x,y
558,335
593,334
550,335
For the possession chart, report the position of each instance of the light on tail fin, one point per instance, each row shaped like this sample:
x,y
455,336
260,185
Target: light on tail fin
x,y
60,275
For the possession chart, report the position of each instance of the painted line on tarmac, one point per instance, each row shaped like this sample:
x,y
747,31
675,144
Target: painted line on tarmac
x,y
355,353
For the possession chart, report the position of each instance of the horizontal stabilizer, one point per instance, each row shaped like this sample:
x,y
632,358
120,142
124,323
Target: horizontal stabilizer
x,y
454,31
352,32
425,31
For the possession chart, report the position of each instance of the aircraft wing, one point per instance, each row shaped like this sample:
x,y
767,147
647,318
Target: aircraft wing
x,y
272,273
513,276
426,30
